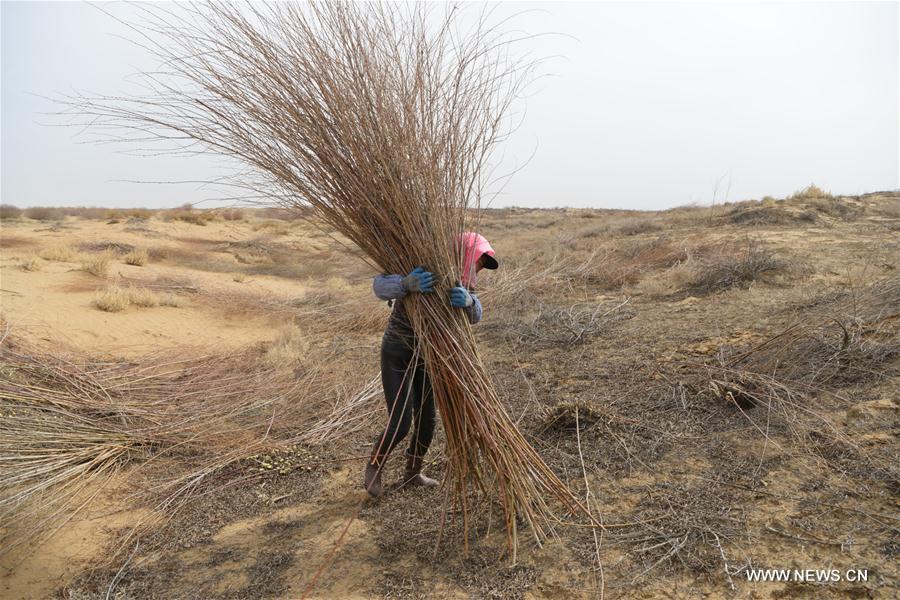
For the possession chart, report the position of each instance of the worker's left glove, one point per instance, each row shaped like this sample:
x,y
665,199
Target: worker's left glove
x,y
460,297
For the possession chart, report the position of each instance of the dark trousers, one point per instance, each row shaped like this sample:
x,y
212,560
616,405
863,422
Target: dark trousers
x,y
410,401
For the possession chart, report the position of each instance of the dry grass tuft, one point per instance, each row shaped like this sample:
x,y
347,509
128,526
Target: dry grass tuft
x,y
97,266
60,254
810,192
170,300
142,297
137,257
290,348
31,263
116,298
112,299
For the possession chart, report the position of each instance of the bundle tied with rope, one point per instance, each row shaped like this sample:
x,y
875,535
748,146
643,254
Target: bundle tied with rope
x,y
382,119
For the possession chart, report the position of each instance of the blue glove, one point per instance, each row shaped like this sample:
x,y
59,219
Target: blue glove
x,y
418,280
460,297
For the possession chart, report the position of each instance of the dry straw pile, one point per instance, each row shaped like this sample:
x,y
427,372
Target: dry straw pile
x,y
383,119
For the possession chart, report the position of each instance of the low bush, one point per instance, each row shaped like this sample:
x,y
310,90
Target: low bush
x,y
810,192
740,270
43,213
9,212
637,227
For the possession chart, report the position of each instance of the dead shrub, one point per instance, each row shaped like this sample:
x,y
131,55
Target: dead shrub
x,y
233,214
850,338
833,207
629,264
733,271
784,382
555,326
138,214
638,226
43,213
698,528
763,215
594,232
669,281
107,247
87,212
8,212
569,416
187,214
258,249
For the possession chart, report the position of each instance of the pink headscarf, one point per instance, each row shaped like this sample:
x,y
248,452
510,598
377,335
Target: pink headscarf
x,y
473,245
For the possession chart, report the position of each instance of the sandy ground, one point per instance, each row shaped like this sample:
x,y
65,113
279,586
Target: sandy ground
x,y
312,532
56,303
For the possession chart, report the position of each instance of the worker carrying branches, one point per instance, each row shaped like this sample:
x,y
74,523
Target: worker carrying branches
x,y
407,390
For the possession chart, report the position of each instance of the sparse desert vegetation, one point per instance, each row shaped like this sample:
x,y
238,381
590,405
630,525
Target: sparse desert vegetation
x,y
31,263
59,254
98,265
721,381
137,257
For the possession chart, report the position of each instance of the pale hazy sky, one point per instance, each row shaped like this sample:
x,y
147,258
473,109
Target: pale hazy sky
x,y
651,105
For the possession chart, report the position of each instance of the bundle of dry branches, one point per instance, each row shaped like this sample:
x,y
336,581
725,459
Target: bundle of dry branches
x,y
382,118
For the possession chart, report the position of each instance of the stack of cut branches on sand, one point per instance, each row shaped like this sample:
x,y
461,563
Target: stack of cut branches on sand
x,y
165,424
383,119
